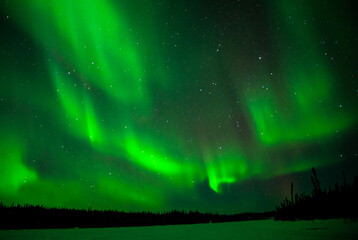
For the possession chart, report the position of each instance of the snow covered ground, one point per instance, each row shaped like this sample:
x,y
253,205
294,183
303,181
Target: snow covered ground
x,y
265,229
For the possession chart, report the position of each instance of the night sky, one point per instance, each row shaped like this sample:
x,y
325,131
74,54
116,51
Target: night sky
x,y
210,105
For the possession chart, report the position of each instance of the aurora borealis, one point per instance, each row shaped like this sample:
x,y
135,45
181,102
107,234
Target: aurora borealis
x,y
160,105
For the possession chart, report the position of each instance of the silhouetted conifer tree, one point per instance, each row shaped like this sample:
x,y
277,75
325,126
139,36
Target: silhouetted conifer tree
x,y
338,202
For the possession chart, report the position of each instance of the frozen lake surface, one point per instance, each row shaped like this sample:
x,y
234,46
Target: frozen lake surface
x,y
264,229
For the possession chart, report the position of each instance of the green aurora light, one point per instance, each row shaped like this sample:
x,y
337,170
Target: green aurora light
x,y
156,105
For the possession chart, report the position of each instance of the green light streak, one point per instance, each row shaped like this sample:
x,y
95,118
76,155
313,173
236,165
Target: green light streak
x,y
305,114
94,131
226,166
96,41
150,158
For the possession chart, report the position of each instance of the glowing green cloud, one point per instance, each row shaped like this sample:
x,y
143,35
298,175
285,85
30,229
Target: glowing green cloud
x,y
13,172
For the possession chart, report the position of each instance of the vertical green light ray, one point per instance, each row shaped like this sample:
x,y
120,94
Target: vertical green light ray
x,y
72,104
100,34
224,166
100,43
95,133
308,85
78,109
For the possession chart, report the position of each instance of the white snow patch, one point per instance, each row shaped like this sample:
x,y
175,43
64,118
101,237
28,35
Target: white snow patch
x,y
264,229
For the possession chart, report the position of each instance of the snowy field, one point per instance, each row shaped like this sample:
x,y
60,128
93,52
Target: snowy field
x,y
267,229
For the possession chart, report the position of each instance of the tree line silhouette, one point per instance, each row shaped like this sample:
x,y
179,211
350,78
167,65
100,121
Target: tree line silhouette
x,y
36,217
338,202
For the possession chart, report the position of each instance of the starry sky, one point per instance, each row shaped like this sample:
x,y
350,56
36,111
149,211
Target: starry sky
x,y
159,104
